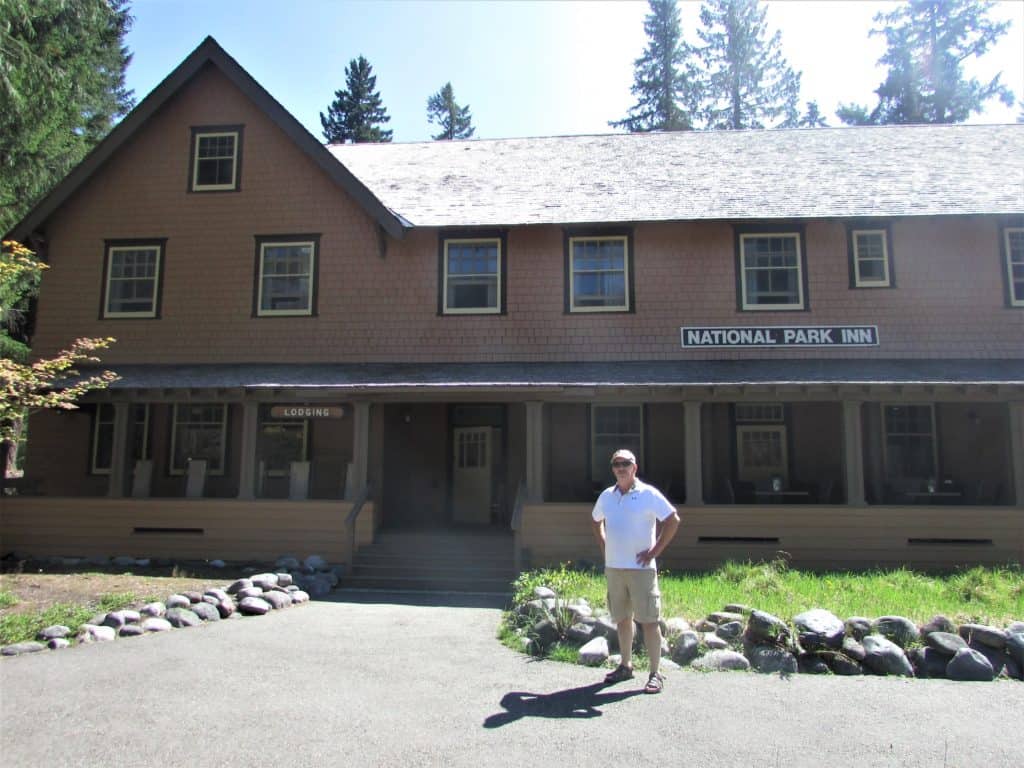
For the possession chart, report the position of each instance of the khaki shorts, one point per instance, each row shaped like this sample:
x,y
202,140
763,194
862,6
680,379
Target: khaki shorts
x,y
633,592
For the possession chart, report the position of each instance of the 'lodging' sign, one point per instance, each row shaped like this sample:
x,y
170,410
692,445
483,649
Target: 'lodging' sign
x,y
781,336
307,412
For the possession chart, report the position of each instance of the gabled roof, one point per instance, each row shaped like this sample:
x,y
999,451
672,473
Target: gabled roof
x,y
762,174
208,52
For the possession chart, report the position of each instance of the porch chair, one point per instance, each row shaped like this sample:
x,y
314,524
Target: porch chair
x,y
298,480
142,479
195,481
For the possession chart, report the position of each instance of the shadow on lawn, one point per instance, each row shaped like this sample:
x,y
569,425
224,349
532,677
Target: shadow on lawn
x,y
572,702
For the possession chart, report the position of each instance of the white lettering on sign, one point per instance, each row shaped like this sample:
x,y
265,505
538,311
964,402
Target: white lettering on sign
x,y
307,412
782,336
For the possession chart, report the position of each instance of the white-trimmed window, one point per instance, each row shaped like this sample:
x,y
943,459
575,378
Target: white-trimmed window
x,y
761,452
1014,242
599,274
132,285
613,427
215,159
772,271
287,271
870,258
102,451
472,276
199,432
279,443
910,448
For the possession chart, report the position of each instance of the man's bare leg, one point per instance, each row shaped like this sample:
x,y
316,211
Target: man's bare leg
x,y
652,640
625,631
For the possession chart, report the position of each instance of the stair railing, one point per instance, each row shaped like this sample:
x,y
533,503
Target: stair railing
x,y
350,522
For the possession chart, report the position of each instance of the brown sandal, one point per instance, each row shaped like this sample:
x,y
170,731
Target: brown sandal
x,y
619,675
655,683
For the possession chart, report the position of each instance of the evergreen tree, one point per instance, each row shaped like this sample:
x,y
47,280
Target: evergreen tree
x,y
812,118
62,66
454,121
357,113
927,42
748,83
662,76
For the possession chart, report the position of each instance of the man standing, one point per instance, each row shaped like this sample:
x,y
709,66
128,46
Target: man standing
x,y
625,521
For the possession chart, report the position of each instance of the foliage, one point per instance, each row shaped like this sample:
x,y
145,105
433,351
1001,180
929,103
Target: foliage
x,y
20,273
927,43
62,65
747,83
454,121
662,76
357,112
812,118
7,599
21,627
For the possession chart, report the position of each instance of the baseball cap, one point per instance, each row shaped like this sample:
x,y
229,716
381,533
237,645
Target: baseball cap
x,y
624,453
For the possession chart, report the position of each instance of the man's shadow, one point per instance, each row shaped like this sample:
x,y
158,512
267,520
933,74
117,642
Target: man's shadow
x,y
572,702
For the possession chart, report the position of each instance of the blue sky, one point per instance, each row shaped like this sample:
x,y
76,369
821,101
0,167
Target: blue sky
x,y
525,68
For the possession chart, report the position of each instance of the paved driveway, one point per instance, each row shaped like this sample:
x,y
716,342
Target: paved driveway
x,y
379,683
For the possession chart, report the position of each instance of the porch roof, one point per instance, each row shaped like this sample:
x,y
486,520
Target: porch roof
x,y
658,373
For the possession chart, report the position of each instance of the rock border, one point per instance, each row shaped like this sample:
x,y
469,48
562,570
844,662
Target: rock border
x,y
740,637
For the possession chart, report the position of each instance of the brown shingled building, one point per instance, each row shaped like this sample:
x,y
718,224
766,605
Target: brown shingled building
x,y
813,340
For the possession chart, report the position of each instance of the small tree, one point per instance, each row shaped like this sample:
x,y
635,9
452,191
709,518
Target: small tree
x,y
812,118
927,42
455,122
357,113
663,76
748,83
48,383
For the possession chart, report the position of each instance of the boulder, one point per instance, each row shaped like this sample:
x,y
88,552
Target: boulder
x,y
938,623
315,562
91,633
236,586
929,662
1002,664
225,608
284,579
253,591
1015,628
178,601
217,594
884,657
723,617
898,629
545,633
819,628
945,643
704,625
721,661
763,626
714,642
770,659
1015,646
53,632
676,626
685,647
858,627
993,637
116,619
206,612
812,664
968,664
153,609
193,597
253,606
841,664
730,630
853,649
595,652
182,617
264,580
298,597
544,593
582,633
740,608
278,600
130,630
156,624
19,649
57,643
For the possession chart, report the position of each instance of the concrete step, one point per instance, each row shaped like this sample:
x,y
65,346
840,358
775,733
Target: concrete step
x,y
374,558
430,570
434,584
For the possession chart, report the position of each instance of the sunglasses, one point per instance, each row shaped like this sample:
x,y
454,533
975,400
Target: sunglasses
x,y
620,464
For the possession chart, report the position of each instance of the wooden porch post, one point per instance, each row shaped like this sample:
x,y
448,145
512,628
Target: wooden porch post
x,y
535,451
694,454
360,449
119,452
853,453
1017,451
247,465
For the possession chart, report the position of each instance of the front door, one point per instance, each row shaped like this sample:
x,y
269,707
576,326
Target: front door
x,y
471,475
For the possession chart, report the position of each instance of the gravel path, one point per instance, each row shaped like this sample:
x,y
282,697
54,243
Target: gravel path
x,y
369,681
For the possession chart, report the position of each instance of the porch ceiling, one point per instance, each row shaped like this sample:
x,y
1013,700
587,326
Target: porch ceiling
x,y
382,378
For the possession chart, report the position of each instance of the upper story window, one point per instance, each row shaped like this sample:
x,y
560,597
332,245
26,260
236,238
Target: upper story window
x,y
1013,248
771,267
870,264
286,275
471,276
216,159
599,272
132,280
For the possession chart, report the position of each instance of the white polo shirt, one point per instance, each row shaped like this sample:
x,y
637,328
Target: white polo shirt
x,y
630,521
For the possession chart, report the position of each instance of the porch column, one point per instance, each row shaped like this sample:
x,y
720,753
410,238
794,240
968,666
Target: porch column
x,y
247,466
119,452
853,453
360,450
1017,450
694,455
535,451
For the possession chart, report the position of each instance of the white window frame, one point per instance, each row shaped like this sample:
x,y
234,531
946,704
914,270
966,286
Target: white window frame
x,y
886,433
599,465
97,423
747,306
761,413
264,244
746,473
111,251
861,282
1015,301
196,186
223,437
304,423
496,309
624,239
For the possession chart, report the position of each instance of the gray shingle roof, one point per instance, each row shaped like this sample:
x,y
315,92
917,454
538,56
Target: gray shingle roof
x,y
663,373
810,173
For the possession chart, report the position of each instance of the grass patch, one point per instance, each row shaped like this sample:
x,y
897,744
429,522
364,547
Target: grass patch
x,y
20,627
7,599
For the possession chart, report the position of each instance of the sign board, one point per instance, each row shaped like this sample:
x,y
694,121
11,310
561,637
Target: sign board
x,y
306,412
770,336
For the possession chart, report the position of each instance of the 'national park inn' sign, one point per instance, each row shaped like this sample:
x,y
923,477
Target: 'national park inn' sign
x,y
782,336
